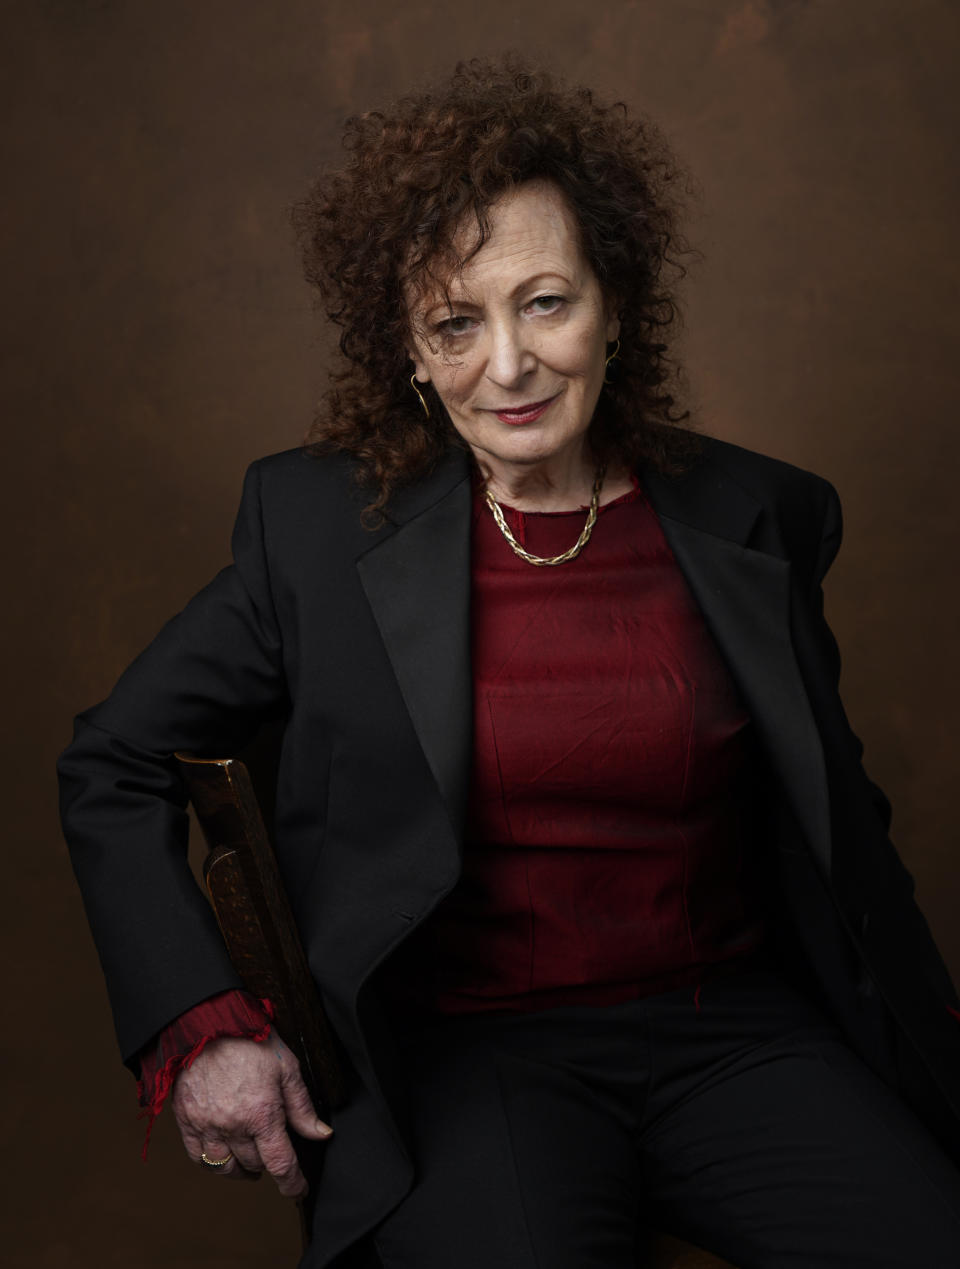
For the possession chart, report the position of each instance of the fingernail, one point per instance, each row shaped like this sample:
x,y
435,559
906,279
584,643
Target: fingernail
x,y
324,1129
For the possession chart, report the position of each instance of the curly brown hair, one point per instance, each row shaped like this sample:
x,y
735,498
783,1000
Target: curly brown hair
x,y
384,226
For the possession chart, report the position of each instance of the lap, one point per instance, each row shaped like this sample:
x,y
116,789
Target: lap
x,y
511,1159
747,1126
793,1152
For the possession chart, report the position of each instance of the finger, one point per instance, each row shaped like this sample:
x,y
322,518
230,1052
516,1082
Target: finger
x,y
191,1142
242,1174
216,1152
280,1160
246,1154
297,1103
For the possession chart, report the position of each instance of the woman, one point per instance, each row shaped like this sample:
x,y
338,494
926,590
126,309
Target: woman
x,y
599,898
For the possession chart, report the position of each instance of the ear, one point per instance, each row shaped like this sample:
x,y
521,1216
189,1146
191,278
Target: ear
x,y
613,326
611,307
419,365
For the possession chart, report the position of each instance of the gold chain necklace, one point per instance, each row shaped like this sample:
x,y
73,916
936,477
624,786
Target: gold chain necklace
x,y
577,547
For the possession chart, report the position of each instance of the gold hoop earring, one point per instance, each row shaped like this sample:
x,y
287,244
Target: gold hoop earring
x,y
413,384
607,363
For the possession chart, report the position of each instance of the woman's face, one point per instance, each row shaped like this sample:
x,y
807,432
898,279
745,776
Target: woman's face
x,y
518,358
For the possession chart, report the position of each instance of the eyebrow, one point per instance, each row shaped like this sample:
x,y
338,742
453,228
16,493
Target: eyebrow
x,y
521,286
537,277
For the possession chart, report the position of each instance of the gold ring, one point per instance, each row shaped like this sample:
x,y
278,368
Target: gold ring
x,y
214,1163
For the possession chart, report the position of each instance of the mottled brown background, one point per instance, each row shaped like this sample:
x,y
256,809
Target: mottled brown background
x,y
157,337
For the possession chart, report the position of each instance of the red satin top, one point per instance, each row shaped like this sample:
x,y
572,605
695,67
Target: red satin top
x,y
610,852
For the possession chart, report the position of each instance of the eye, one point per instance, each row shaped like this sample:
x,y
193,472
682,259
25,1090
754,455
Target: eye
x,y
547,303
459,324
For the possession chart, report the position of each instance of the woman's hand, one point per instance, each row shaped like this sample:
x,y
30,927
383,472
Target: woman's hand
x,y
237,1099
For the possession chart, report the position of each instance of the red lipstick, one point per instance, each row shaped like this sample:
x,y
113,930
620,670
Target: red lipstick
x,y
524,413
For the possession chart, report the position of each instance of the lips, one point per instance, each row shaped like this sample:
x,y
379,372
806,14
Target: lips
x,y
524,413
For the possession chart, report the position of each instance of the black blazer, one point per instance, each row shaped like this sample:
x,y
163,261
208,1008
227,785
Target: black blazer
x,y
362,639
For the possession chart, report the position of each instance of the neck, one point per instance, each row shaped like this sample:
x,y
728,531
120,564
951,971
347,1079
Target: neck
x,y
563,483
549,487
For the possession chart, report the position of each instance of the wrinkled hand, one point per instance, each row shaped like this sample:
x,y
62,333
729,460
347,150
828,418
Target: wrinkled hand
x,y
237,1098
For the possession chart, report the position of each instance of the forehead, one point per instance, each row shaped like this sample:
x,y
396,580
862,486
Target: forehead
x,y
532,230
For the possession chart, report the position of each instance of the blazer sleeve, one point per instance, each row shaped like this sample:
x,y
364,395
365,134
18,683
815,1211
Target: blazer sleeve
x,y
203,685
914,922
830,538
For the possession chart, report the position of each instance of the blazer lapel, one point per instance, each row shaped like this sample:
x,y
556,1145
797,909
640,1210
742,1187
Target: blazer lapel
x,y
417,581
745,597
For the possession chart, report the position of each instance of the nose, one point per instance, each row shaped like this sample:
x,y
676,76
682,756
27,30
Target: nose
x,y
510,359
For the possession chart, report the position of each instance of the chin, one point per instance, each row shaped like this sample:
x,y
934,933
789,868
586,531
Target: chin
x,y
523,455
538,449
543,436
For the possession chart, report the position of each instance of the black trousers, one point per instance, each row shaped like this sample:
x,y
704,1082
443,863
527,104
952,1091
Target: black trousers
x,y
739,1120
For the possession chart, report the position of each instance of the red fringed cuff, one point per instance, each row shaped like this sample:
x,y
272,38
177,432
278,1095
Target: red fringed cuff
x,y
233,1013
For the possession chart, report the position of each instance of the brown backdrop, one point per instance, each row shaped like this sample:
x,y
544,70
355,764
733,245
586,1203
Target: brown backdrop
x,y
157,337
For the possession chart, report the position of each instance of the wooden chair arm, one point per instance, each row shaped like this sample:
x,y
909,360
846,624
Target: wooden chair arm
x,y
243,882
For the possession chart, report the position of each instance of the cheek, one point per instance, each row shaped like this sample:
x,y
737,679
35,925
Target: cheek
x,y
456,382
578,354
449,383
